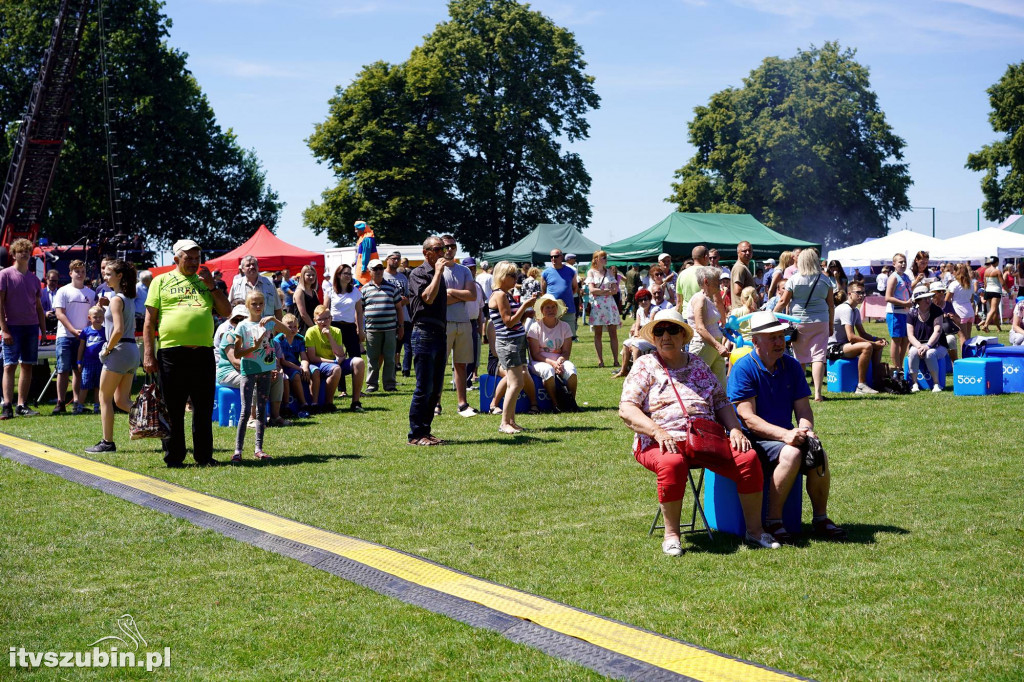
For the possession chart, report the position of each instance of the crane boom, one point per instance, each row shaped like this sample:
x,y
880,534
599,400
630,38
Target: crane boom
x,y
43,129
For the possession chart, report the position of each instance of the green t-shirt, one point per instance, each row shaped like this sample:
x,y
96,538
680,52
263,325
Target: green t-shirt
x,y
686,284
186,310
318,342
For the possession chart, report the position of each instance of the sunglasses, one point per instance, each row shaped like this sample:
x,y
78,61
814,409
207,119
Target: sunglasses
x,y
557,255
644,298
660,330
436,249
379,267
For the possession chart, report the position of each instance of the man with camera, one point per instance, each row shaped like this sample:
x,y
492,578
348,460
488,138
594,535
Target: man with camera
x,y
768,387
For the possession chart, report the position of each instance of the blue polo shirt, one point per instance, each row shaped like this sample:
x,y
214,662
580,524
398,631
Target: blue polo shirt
x,y
559,285
775,391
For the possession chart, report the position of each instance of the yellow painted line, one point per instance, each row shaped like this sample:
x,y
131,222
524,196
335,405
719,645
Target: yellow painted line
x,y
649,648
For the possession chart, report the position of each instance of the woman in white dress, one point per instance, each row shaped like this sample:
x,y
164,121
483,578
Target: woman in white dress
x,y
603,287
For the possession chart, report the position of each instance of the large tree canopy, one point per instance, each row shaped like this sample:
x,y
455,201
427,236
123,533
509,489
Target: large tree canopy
x,y
1003,160
182,175
803,146
465,136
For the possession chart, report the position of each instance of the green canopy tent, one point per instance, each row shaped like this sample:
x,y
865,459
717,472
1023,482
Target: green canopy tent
x,y
536,247
677,234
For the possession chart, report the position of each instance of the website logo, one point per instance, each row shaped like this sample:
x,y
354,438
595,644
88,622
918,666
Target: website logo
x,y
126,655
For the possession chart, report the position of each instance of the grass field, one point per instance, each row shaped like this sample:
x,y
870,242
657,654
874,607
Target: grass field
x,y
930,586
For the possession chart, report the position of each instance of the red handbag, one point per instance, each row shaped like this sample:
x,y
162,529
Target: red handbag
x,y
703,436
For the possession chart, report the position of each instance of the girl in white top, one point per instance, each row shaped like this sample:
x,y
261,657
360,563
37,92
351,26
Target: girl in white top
x,y
703,315
961,293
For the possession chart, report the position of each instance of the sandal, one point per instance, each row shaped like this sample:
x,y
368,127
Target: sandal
x,y
508,431
826,530
280,421
434,440
779,532
495,410
422,441
533,410
259,454
236,458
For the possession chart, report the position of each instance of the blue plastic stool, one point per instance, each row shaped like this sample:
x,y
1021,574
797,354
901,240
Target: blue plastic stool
x,y
842,375
321,399
978,376
488,382
723,511
228,396
1012,358
924,377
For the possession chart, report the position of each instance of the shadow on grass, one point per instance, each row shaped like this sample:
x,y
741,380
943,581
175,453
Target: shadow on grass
x,y
726,543
290,460
573,428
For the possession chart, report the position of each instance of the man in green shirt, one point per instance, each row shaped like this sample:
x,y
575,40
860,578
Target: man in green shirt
x,y
179,308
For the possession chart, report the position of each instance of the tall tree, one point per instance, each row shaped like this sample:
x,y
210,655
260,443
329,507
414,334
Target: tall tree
x,y
182,175
803,146
466,136
1003,160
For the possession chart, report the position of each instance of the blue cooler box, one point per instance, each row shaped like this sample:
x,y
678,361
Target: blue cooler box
x,y
1012,358
978,376
924,377
722,505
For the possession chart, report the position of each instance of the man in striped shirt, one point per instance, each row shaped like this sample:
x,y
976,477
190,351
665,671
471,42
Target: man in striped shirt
x,y
384,317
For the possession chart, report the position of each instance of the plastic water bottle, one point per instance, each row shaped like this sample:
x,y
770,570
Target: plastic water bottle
x,y
233,415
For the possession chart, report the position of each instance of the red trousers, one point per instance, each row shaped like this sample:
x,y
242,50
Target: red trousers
x,y
672,468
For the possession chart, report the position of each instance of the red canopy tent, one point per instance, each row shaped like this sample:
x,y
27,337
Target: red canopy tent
x,y
273,254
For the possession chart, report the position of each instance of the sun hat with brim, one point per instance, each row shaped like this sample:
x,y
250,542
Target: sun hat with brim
x,y
672,316
765,322
921,292
239,311
548,298
936,287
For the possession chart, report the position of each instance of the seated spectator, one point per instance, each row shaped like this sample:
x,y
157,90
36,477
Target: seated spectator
x,y
295,363
229,366
768,387
326,352
550,343
658,301
750,302
849,340
663,395
1017,328
927,340
634,346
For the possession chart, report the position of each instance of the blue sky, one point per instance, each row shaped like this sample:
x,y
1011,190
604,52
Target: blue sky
x,y
270,66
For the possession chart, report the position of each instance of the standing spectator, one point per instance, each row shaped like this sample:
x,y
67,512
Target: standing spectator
x,y
704,318
103,290
713,258
786,260
460,288
742,273
382,308
632,286
305,298
428,305
120,354
180,308
603,313
838,276
251,280
686,283
484,279
792,268
141,292
561,282
94,336
475,308
401,283
49,291
769,271
897,304
71,306
531,285
21,320
767,388
961,294
993,294
882,280
570,262
620,281
665,261
920,267
346,304
510,340
254,347
810,292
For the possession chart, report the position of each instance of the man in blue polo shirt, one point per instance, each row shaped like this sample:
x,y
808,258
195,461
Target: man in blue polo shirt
x,y
768,387
559,280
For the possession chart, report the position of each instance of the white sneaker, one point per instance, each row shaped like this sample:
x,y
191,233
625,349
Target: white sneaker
x,y
672,548
914,388
936,389
468,411
864,389
766,541
252,423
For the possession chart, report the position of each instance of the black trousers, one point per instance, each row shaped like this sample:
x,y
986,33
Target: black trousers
x,y
188,373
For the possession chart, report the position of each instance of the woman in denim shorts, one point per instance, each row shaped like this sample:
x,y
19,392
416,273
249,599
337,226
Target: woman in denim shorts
x,y
510,340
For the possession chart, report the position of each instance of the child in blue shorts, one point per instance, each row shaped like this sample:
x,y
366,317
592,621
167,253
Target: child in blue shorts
x,y
93,338
295,363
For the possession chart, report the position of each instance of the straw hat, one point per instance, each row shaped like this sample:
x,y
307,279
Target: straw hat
x,y
548,298
672,316
765,322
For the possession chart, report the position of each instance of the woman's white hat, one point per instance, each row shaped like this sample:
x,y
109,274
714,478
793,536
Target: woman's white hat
x,y
668,315
936,287
921,292
765,322
549,298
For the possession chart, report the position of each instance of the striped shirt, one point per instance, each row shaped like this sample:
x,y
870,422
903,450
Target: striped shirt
x,y
379,306
500,330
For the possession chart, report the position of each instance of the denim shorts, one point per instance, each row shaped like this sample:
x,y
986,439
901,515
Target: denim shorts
x,y
511,352
66,353
24,346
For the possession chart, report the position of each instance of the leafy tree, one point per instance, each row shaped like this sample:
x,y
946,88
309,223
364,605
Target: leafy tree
x,y
182,175
1003,160
803,146
465,136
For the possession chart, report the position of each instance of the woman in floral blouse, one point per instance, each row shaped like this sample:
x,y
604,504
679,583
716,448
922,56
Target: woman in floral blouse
x,y
653,397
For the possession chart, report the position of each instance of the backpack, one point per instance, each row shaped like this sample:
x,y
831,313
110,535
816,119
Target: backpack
x,y
563,399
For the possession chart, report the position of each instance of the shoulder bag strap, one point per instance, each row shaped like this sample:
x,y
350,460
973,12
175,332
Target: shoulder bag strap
x,y
811,292
672,383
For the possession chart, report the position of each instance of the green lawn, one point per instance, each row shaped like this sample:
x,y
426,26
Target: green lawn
x,y
931,585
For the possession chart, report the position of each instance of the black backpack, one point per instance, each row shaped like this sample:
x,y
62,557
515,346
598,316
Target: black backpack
x,y
562,398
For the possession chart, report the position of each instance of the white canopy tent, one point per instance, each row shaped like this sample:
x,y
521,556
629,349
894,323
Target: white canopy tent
x,y
880,251
977,246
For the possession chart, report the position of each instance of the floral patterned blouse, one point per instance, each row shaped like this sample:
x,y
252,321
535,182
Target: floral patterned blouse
x,y
648,387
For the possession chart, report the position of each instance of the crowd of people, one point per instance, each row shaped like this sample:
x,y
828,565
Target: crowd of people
x,y
289,346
